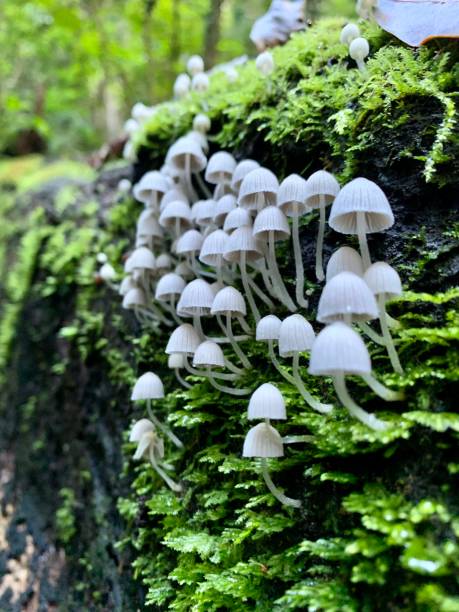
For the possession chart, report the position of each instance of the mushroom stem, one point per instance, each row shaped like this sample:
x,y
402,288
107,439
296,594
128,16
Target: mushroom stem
x,y
263,297
320,239
189,185
170,483
312,401
224,388
198,270
237,349
181,380
153,313
248,291
361,66
286,501
391,322
202,186
220,274
276,277
177,227
261,267
172,308
381,390
203,373
363,244
297,439
391,351
356,411
166,431
198,326
299,267
372,334
244,325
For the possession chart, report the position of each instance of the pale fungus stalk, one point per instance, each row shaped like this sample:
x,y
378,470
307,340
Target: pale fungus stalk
x,y
320,240
356,411
247,289
237,349
177,488
383,392
362,236
309,399
224,388
276,277
286,501
166,431
393,356
299,266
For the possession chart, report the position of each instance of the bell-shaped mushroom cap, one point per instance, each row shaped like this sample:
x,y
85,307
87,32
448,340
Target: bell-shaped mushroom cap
x,y
345,259
183,340
271,219
292,194
134,298
196,299
209,354
268,328
148,386
200,82
228,301
169,286
224,205
295,336
220,168
201,123
139,429
359,48
107,272
186,148
172,195
361,195
200,139
258,189
348,33
190,242
339,349
163,262
266,403
182,85
176,361
213,247
202,212
183,269
195,64
127,284
242,169
147,224
263,441
150,183
242,241
175,210
238,217
142,259
321,183
383,280
346,294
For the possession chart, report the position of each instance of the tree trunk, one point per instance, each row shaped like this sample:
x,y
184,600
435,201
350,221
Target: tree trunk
x,y
212,32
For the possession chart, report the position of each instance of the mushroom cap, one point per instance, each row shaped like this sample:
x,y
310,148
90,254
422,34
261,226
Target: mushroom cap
x,y
321,183
339,349
148,386
242,241
209,354
345,259
265,63
196,299
139,429
258,189
126,285
263,441
148,226
271,219
201,123
268,328
292,194
163,262
200,139
238,217
202,211
383,280
359,48
213,248
172,195
200,82
182,85
183,340
169,286
134,298
228,301
152,182
242,169
190,242
107,272
176,361
220,168
348,33
295,336
346,294
195,64
141,259
266,402
225,204
361,195
175,210
183,148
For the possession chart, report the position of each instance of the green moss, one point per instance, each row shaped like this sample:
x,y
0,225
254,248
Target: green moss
x,y
65,516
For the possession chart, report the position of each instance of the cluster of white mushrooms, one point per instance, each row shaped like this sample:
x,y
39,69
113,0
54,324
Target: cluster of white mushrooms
x,y
359,48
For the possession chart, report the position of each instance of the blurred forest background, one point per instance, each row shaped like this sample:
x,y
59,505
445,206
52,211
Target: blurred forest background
x,y
70,70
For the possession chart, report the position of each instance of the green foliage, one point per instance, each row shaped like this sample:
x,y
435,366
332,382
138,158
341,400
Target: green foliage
x,y
65,517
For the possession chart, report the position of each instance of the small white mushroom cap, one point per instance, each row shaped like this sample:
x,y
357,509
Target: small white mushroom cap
x,y
292,194
339,349
209,354
189,243
141,259
229,301
348,33
148,226
202,212
130,126
265,63
224,205
183,148
263,441
127,284
271,219
195,65
295,336
107,272
359,48
238,217
266,402
172,196
220,168
124,185
140,112
176,361
182,85
101,258
134,298
201,123
324,184
183,340
346,294
148,386
242,169
242,241
163,262
139,429
383,280
196,299
175,210
361,195
150,183
169,286
258,189
213,248
200,82
345,259
268,328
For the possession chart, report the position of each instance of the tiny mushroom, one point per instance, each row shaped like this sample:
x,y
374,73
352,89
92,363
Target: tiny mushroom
x,y
230,302
209,355
345,259
349,33
242,169
195,65
359,50
265,63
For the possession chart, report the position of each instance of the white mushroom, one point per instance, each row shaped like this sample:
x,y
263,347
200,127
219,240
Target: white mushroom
x,y
242,169
229,302
359,50
345,259
225,205
258,189
349,33
210,355
195,65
